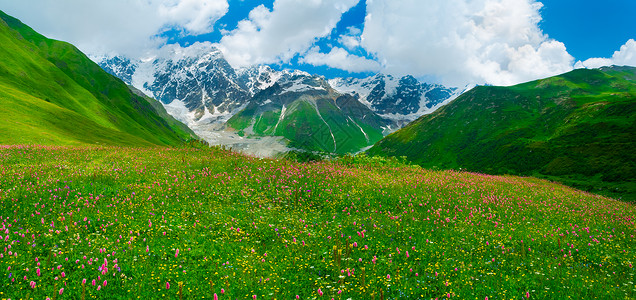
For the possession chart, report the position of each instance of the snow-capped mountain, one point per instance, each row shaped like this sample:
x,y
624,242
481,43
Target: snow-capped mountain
x,y
227,106
121,67
197,77
397,99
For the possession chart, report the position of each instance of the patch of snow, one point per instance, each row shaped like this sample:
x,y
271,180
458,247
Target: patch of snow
x,y
301,87
390,85
362,87
178,110
281,117
363,132
144,75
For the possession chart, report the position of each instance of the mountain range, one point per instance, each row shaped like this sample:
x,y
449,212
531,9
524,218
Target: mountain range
x,y
578,128
260,107
52,94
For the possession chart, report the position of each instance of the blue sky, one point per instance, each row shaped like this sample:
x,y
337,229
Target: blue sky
x,y
454,42
590,28
239,10
587,28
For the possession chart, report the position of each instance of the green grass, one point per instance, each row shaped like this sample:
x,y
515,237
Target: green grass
x,y
359,227
311,124
578,128
51,93
266,122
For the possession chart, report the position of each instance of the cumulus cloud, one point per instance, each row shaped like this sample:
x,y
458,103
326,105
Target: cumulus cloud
x,y
352,39
116,26
479,41
456,42
339,58
290,28
194,16
625,56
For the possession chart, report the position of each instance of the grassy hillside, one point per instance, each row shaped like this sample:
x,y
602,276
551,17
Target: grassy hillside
x,y
320,120
51,93
578,128
153,223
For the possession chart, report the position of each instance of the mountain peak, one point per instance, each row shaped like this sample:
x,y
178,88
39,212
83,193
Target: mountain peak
x,y
200,86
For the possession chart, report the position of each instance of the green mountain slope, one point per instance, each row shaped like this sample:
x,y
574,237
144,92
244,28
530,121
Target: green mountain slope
x,y
311,116
578,128
51,93
161,111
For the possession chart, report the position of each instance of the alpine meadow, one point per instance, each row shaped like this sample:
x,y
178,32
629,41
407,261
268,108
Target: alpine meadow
x,y
311,165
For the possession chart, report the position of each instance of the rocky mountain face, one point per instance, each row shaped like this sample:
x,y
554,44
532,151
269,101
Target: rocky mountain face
x,y
200,88
400,100
198,76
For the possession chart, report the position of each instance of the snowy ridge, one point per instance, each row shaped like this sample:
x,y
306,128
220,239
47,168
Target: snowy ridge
x,y
301,87
397,99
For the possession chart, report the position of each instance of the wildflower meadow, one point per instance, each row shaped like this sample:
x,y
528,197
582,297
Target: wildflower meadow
x,y
186,223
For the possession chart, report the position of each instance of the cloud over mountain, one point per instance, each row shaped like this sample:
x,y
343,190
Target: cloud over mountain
x,y
117,26
459,41
625,56
339,58
277,35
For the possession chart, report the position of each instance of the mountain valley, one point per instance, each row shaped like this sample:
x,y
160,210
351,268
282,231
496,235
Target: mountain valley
x,y
222,104
178,176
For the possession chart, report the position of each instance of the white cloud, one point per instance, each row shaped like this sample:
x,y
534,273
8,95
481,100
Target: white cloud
x,y
459,41
195,16
352,39
626,56
454,41
340,59
291,27
116,26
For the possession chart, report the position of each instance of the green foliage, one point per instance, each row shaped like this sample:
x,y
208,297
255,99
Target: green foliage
x,y
363,160
578,128
303,156
266,123
51,93
241,120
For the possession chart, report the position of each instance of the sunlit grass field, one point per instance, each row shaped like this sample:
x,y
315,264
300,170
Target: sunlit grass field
x,y
185,223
